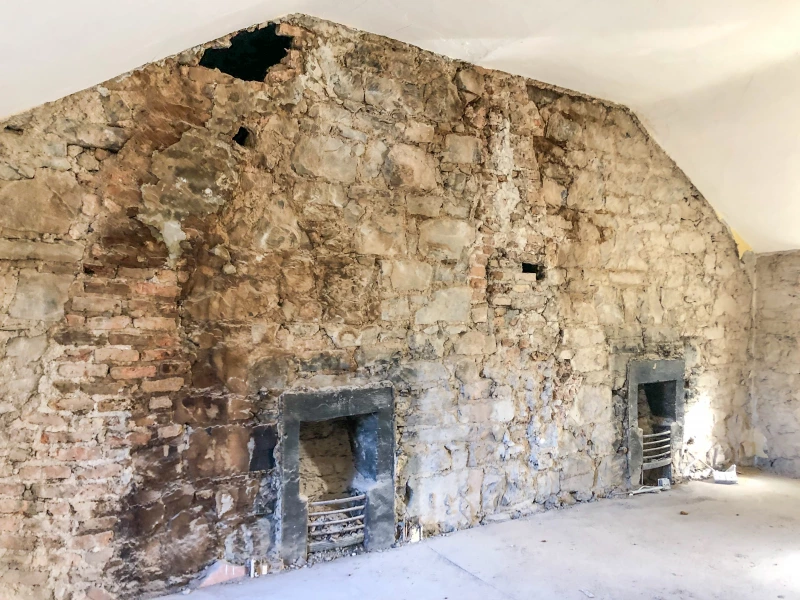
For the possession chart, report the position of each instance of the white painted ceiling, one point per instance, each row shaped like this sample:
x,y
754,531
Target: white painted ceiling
x,y
717,82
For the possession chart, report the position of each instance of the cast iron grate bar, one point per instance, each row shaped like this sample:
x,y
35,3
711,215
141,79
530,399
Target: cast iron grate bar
x,y
338,500
339,527
657,449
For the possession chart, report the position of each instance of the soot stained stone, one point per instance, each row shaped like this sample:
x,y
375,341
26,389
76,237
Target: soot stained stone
x,y
265,439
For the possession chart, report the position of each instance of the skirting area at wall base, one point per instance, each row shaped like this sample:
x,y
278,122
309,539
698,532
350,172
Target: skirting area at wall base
x,y
736,542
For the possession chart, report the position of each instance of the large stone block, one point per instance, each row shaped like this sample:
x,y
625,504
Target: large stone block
x,y
40,296
408,275
390,95
409,167
475,343
383,235
426,206
561,129
326,157
445,238
461,149
451,305
45,204
445,501
577,474
27,250
689,242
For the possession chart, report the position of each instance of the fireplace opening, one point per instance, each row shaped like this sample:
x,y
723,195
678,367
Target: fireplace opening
x,y
655,409
328,475
656,403
327,469
338,472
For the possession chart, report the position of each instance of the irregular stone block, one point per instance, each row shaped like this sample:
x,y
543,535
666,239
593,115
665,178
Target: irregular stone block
x,y
410,168
395,309
442,101
407,275
450,305
689,242
27,349
418,132
383,234
27,250
445,238
390,94
474,343
577,473
97,135
426,206
561,129
40,296
469,80
218,451
45,204
461,149
326,157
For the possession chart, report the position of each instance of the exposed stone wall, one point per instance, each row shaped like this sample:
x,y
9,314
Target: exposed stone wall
x,y
776,377
162,285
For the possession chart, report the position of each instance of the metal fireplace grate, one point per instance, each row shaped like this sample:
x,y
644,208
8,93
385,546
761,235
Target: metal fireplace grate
x,y
336,523
657,449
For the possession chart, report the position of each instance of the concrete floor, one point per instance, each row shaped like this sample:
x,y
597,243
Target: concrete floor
x,y
738,541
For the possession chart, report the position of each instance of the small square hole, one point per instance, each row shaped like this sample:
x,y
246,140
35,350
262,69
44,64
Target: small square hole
x,y
534,268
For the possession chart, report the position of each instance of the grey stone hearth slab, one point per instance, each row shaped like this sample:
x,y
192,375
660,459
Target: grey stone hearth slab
x,y
736,542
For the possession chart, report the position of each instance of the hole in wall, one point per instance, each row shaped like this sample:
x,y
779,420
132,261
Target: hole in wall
x,y
265,439
250,54
242,136
14,129
534,268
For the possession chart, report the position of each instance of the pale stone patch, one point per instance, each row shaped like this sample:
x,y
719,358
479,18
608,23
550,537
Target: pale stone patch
x,y
451,305
408,275
445,238
461,149
40,296
47,203
326,157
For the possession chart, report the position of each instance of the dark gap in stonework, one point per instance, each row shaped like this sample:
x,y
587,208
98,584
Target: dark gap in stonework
x,y
534,268
242,136
250,54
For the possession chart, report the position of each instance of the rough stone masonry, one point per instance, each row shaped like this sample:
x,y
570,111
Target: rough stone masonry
x,y
162,284
776,372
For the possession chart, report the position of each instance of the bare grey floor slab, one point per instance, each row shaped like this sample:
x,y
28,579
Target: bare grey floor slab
x,y
736,542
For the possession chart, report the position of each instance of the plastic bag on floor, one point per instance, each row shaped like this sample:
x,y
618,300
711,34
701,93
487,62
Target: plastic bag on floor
x,y
727,476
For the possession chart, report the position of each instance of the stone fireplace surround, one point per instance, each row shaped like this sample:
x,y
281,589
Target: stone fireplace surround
x,y
643,373
373,409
